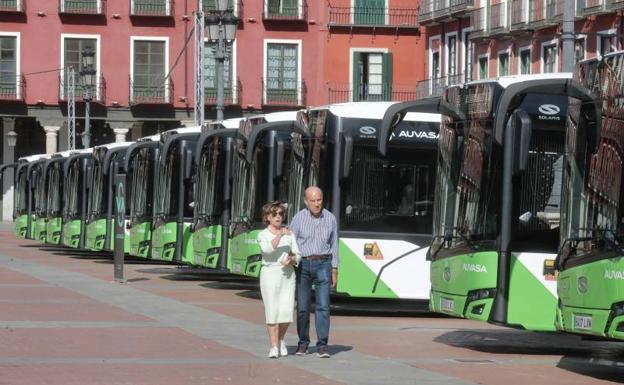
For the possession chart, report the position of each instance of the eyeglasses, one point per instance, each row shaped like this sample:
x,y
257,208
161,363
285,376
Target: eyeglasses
x,y
280,213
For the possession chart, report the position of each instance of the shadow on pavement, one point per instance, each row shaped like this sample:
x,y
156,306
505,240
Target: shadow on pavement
x,y
598,359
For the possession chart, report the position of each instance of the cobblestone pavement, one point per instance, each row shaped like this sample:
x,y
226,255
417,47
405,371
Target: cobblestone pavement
x,y
64,321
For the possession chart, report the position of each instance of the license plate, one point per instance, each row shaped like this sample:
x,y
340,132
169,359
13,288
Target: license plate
x,y
582,322
447,304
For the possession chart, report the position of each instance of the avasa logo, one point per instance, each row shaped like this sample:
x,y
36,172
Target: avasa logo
x,y
475,268
415,135
614,274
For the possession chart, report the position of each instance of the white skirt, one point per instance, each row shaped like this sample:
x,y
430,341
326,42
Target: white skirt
x,y
277,286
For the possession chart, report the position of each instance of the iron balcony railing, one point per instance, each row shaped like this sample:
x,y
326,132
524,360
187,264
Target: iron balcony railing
x,y
373,17
341,93
283,93
156,92
276,10
615,4
82,7
232,94
211,5
13,89
479,22
97,92
157,8
436,85
12,6
431,10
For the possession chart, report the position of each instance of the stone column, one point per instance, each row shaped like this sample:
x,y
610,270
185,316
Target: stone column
x,y
8,124
51,138
120,134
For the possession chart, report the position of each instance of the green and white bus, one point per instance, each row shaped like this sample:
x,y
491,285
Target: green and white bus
x,y
498,197
141,168
213,192
76,190
261,174
590,282
173,197
36,172
24,198
383,204
108,160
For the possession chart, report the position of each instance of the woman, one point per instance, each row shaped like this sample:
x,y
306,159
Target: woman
x,y
277,278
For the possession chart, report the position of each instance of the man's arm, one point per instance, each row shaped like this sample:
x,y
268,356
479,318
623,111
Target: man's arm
x,y
334,248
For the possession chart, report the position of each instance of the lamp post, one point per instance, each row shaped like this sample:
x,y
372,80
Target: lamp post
x,y
87,76
221,26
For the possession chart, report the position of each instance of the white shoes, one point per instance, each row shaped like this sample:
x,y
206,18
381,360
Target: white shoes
x,y
283,351
273,352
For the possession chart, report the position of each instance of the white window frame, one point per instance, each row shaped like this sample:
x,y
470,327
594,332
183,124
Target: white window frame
x,y
234,78
266,8
98,56
352,18
164,39
479,57
167,9
600,35
361,50
99,5
17,37
299,43
447,51
464,46
498,53
523,49
430,56
547,43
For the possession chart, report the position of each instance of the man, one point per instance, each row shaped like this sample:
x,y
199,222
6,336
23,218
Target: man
x,y
316,232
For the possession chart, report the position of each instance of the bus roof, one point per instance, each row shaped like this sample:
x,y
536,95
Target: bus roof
x,y
151,138
32,158
506,81
227,123
183,130
110,146
375,110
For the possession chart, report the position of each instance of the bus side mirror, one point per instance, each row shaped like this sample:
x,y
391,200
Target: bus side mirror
x,y
521,129
188,164
347,154
279,162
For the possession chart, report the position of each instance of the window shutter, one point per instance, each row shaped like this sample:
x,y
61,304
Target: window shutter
x,y
386,67
357,83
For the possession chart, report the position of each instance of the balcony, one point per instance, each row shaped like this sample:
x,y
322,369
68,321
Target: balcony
x,y
98,94
287,94
232,95
342,93
518,20
434,11
12,6
373,17
498,19
479,23
160,93
544,13
13,90
211,5
276,11
82,7
151,8
435,86
615,5
591,7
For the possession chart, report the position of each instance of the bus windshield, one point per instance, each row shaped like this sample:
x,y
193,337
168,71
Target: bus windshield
x,y
96,199
142,181
210,181
593,195
164,206
54,190
21,193
72,186
393,194
40,191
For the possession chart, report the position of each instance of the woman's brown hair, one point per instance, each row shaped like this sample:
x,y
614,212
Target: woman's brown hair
x,y
272,208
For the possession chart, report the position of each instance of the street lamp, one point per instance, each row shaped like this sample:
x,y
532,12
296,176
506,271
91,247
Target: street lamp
x,y
221,26
87,75
12,138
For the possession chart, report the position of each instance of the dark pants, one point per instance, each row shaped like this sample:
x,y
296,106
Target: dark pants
x,y
317,273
